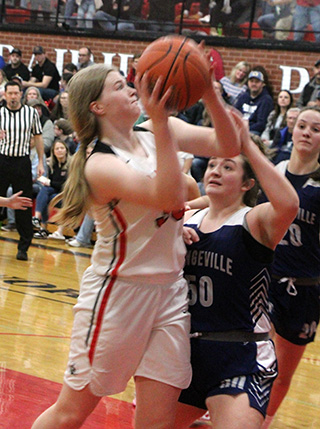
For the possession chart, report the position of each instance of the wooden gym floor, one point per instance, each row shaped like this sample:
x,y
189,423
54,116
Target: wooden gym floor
x,y
36,300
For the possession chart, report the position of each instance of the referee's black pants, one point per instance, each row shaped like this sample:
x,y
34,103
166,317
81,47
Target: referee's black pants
x,y
16,171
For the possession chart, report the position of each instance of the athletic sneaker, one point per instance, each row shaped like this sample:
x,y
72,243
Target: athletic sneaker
x,y
9,227
73,242
205,19
56,235
36,223
42,233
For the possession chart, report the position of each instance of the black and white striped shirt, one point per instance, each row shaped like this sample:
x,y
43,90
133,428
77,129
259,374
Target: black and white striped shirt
x,y
18,126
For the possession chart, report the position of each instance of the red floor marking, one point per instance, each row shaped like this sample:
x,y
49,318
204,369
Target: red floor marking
x,y
23,397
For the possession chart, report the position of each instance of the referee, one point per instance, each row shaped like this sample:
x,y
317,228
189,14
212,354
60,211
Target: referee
x,y
17,123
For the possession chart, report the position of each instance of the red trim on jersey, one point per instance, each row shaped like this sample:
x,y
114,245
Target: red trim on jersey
x,y
122,253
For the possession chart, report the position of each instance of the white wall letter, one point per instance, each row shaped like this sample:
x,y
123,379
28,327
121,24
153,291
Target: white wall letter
x,y
59,59
9,47
286,78
108,56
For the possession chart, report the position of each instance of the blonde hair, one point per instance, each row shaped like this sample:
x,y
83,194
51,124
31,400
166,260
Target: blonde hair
x,y
84,88
39,96
53,161
236,68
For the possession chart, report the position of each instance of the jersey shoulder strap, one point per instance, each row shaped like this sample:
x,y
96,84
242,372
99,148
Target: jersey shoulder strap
x,y
102,147
138,128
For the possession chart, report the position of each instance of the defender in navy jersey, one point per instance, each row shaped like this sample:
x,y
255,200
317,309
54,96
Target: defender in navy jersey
x,y
229,255
295,286
131,317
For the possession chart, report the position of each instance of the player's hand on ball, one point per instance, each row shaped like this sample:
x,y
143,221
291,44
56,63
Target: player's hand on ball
x,y
182,66
150,94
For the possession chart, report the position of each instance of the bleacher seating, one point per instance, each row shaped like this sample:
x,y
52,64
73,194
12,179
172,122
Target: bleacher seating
x,y
17,16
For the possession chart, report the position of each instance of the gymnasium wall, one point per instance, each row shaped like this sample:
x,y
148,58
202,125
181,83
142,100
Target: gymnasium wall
x,y
290,69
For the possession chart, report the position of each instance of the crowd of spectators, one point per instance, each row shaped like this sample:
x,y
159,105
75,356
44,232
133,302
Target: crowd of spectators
x,y
246,88
45,92
277,19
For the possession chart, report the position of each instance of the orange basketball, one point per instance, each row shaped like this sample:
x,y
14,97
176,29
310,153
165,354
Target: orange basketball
x,y
182,66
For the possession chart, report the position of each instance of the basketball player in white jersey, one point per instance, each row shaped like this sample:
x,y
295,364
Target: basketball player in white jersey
x,y
132,316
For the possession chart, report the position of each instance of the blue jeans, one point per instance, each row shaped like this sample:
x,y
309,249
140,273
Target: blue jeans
x,y
48,93
304,15
11,219
267,22
69,9
108,22
46,194
85,231
86,9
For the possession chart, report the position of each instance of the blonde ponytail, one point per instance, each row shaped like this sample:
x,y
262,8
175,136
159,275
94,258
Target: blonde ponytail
x,y
84,88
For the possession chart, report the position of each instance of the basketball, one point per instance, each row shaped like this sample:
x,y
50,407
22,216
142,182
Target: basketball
x,y
181,64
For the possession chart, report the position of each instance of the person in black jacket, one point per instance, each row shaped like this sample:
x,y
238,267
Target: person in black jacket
x,y
106,17
310,91
161,15
16,66
44,76
255,103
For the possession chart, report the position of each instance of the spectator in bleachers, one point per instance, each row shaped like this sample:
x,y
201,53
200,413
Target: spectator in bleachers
x,y
162,13
48,135
228,14
136,8
310,91
281,146
84,58
16,66
33,93
279,19
64,81
255,104
132,72
318,99
235,84
68,12
44,75
83,237
86,11
40,6
203,10
277,119
267,82
3,81
107,15
306,12
58,164
63,131
70,68
60,110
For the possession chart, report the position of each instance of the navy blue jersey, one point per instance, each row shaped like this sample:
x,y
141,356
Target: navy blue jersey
x,y
228,274
298,253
